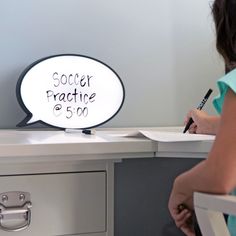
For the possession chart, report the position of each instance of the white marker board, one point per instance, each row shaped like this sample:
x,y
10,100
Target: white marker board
x,y
70,91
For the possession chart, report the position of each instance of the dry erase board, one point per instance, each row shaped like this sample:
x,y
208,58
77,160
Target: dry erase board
x,y
69,91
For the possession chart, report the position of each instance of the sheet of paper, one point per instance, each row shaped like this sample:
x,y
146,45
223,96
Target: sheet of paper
x,y
135,134
162,136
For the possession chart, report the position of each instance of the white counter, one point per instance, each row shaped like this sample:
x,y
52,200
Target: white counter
x,y
106,143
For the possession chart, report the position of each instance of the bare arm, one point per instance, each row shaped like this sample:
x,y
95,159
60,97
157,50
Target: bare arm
x,y
217,174
221,163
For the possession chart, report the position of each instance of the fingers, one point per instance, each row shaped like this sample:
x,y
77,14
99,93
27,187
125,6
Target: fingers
x,y
192,129
184,222
188,231
198,117
188,116
182,218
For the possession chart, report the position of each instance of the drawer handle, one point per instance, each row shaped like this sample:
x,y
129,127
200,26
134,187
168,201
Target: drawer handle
x,y
14,212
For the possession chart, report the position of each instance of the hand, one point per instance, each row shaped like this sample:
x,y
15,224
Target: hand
x,y
182,217
203,123
183,221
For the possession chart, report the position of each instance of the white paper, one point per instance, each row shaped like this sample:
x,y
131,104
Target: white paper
x,y
135,134
163,136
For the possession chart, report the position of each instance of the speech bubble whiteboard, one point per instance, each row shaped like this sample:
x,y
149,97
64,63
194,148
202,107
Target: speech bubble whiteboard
x,y
69,91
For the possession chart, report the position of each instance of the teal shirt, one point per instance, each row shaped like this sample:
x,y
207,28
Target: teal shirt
x,y
227,81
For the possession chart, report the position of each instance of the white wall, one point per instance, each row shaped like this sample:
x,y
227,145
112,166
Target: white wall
x,y
163,50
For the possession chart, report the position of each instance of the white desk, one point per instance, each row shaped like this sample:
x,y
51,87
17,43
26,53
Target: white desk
x,y
70,176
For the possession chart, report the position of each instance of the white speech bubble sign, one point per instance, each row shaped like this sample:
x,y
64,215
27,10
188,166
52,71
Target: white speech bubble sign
x,y
69,91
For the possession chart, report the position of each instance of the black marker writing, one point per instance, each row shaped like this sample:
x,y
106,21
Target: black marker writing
x,y
71,79
57,110
70,97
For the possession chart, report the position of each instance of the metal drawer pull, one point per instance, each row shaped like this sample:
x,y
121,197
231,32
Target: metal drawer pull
x,y
15,207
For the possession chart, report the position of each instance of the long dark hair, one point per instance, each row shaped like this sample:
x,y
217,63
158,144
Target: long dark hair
x,y
224,14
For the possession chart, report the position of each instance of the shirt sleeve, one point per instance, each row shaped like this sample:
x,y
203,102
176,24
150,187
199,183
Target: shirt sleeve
x,y
226,82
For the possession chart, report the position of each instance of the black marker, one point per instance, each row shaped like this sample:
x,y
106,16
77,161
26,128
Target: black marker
x,y
84,131
88,131
200,106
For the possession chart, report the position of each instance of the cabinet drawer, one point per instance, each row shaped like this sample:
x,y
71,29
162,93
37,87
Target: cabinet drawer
x,y
62,204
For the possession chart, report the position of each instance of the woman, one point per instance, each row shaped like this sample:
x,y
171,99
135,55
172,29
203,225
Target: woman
x,y
216,174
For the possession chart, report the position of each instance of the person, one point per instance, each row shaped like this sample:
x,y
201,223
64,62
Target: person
x,y
217,173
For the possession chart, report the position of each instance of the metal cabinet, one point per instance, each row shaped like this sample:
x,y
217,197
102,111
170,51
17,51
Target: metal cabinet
x,y
61,204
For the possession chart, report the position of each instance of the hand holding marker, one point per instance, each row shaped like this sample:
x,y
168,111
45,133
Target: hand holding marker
x,y
200,106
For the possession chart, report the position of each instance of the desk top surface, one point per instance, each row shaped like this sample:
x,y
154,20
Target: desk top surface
x,y
40,142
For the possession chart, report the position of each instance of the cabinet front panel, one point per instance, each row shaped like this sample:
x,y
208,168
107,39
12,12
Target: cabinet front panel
x,y
62,204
